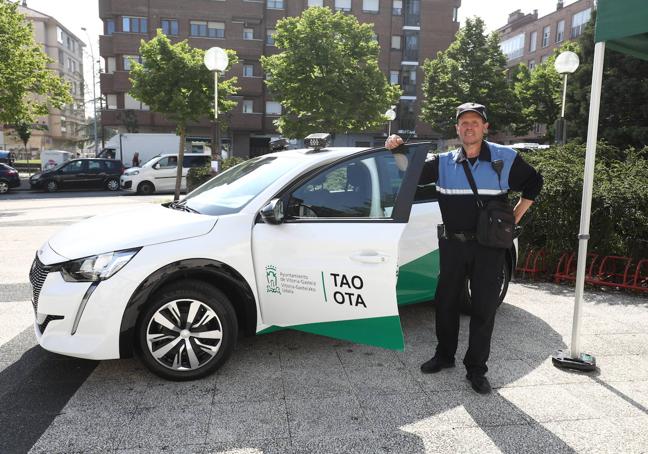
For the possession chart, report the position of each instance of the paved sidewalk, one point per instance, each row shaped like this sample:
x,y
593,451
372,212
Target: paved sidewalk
x,y
294,392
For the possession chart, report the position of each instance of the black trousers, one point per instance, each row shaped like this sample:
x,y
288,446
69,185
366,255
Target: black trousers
x,y
483,266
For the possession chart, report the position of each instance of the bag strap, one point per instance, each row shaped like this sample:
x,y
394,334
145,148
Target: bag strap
x,y
471,181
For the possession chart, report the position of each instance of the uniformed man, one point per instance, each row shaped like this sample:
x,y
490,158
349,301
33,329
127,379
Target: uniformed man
x,y
461,256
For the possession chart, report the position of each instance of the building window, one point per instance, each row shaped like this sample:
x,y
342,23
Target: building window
x,y
111,102
248,70
409,80
110,65
513,47
342,5
560,31
579,21
207,29
248,106
315,3
411,52
110,26
397,8
396,42
546,33
393,77
533,41
169,26
544,58
127,61
270,37
455,14
131,24
273,108
275,4
532,64
370,6
248,33
59,35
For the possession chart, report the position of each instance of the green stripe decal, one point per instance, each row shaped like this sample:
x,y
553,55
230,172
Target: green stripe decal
x,y
417,280
382,332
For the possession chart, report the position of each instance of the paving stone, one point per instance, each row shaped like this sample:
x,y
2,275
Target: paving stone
x,y
381,380
333,416
247,421
312,382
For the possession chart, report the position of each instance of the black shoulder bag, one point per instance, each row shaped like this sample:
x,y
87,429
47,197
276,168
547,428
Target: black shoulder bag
x,y
495,220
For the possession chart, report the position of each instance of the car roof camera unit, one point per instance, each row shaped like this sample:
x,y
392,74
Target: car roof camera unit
x,y
317,141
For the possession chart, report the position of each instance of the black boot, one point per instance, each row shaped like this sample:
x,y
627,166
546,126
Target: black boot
x,y
436,364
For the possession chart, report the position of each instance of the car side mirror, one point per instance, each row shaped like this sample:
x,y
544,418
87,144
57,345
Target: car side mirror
x,y
273,212
156,166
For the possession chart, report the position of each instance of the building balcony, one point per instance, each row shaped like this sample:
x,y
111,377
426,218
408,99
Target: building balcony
x,y
250,86
117,82
246,121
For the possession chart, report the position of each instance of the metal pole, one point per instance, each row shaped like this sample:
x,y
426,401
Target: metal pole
x,y
562,114
94,91
586,203
215,95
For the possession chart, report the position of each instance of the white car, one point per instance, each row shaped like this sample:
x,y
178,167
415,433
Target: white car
x,y
325,240
159,173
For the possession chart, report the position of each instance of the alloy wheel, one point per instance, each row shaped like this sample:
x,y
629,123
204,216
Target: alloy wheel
x,y
184,334
4,187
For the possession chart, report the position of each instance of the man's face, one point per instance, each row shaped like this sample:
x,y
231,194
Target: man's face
x,y
471,128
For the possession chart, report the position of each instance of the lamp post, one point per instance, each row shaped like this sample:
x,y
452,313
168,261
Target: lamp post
x,y
566,63
390,115
94,93
216,60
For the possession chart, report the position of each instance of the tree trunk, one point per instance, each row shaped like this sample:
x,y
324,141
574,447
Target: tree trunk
x,y
182,130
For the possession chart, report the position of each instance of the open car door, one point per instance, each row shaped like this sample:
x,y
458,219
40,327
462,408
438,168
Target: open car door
x,y
331,266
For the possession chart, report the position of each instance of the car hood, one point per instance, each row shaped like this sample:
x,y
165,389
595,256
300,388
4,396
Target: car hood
x,y
129,229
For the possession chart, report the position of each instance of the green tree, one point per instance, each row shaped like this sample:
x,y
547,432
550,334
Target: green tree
x,y
27,86
327,76
540,90
472,69
173,80
623,119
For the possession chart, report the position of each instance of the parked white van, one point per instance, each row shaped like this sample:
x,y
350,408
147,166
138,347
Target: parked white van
x,y
159,174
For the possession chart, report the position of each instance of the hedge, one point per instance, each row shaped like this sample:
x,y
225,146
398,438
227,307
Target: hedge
x,y
619,220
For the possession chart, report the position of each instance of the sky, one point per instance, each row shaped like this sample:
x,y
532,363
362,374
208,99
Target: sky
x,y
74,14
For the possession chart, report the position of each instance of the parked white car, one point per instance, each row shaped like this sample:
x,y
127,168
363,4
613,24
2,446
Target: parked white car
x,y
327,241
159,174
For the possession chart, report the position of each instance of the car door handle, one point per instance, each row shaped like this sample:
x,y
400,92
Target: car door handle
x,y
369,258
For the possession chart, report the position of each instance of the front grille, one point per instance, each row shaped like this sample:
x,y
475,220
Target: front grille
x,y
127,184
37,276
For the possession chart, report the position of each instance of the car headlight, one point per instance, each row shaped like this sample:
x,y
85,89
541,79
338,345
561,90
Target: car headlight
x,y
96,268
132,172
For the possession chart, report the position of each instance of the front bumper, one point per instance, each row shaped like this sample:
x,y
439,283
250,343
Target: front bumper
x,y
126,184
81,319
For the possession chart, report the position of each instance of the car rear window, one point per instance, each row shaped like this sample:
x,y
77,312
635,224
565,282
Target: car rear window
x,y
113,165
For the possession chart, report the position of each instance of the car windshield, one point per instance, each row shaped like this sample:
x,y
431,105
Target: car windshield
x,y
231,190
150,162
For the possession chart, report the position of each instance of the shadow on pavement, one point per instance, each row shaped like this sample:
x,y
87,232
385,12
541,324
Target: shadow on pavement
x,y
34,388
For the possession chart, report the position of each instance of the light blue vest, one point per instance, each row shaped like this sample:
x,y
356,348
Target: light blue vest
x,y
452,178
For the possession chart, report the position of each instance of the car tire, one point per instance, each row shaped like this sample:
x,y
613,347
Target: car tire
x,y
112,185
170,332
51,186
145,188
4,186
505,278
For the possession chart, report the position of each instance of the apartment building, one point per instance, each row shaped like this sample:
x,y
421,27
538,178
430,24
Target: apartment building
x,y
408,31
530,40
61,129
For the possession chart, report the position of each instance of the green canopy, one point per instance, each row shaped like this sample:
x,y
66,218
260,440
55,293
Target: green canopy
x,y
623,26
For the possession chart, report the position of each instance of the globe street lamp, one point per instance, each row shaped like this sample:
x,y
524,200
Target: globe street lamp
x,y
566,63
94,93
216,60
